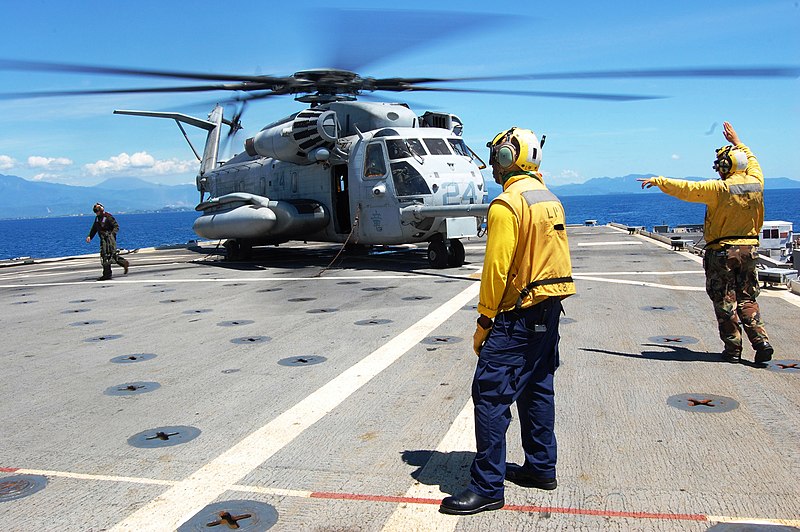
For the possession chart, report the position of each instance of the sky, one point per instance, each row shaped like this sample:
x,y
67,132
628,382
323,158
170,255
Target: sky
x,y
78,141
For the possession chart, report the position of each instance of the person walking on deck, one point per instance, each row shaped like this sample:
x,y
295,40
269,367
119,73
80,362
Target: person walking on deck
x,y
107,227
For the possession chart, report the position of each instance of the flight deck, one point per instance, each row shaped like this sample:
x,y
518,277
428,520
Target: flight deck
x,y
306,390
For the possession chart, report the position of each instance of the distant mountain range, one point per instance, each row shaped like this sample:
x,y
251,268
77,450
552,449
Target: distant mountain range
x,y
20,198
628,185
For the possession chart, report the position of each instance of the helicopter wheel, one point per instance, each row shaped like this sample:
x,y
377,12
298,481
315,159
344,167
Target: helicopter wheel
x,y
357,249
455,253
438,256
232,249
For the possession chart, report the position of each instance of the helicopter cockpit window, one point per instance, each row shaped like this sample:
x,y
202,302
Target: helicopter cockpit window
x,y
437,146
405,148
397,149
375,164
407,181
460,147
416,146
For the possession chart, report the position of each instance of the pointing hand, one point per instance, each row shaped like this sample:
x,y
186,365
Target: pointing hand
x,y
646,183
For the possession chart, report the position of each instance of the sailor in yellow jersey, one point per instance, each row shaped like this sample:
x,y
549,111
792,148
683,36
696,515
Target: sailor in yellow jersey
x,y
526,274
734,216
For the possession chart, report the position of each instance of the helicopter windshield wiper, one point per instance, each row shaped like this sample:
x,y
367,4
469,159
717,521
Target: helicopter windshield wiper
x,y
413,152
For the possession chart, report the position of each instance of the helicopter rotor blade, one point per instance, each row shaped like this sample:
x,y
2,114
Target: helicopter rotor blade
x,y
147,90
44,66
544,94
707,72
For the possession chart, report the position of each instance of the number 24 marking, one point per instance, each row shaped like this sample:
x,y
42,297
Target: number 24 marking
x,y
453,196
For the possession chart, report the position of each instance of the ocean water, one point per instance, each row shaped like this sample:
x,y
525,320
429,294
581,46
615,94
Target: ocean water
x,y
65,236
656,208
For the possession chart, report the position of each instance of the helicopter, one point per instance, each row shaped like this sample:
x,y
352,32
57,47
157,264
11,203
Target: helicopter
x,y
345,170
341,170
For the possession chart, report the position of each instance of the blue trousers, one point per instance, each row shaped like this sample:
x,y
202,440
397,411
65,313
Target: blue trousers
x,y
517,363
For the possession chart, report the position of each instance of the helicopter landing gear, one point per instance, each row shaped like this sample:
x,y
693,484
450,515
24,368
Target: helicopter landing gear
x,y
455,253
442,254
437,254
357,249
238,249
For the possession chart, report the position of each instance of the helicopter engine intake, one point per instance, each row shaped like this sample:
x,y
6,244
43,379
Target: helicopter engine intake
x,y
305,139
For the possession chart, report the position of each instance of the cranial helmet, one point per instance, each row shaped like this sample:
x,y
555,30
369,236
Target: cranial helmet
x,y
516,148
730,160
97,207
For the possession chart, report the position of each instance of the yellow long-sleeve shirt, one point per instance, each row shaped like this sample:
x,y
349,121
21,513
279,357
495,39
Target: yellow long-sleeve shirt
x,y
734,206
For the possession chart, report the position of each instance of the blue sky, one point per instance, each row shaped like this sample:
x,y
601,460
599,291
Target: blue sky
x,y
79,141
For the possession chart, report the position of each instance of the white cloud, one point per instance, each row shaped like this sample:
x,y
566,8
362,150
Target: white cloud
x,y
7,163
51,178
48,163
675,156
569,174
139,164
564,177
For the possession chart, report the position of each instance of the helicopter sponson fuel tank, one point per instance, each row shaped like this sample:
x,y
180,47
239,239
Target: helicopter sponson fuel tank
x,y
249,216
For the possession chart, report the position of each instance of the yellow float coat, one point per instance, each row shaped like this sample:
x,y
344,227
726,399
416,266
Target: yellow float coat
x,y
527,241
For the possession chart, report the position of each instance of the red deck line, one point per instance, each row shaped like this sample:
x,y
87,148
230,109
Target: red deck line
x,y
513,508
509,507
607,513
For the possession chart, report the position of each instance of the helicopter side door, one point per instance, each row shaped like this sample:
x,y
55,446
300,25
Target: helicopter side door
x,y
380,210
340,199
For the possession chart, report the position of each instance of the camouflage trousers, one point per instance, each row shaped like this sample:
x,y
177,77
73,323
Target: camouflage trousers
x,y
732,285
109,252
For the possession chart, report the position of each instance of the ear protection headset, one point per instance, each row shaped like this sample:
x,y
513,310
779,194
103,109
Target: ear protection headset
x,y
515,148
505,152
730,160
97,207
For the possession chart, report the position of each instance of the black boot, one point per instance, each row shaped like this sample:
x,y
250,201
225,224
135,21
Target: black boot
x,y
763,352
516,474
468,502
106,273
734,357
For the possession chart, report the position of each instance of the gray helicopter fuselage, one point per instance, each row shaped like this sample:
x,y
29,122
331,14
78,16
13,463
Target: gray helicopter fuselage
x,y
379,173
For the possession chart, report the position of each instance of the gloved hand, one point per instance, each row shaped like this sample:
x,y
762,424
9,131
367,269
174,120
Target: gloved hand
x,y
479,338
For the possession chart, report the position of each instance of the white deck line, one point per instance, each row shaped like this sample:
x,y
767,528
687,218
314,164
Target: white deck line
x,y
609,243
181,502
422,517
639,283
164,281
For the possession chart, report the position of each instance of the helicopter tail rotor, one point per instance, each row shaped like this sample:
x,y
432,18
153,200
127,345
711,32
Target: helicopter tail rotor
x,y
234,126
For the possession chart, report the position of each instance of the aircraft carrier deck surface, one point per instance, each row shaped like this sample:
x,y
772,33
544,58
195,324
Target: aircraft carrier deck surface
x,y
200,394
